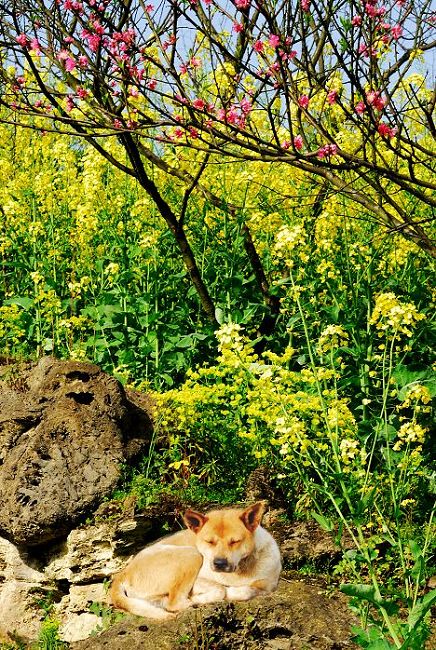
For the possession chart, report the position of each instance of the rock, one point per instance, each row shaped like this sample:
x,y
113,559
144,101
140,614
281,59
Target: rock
x,y
73,573
73,609
306,542
79,627
65,430
294,617
19,608
93,553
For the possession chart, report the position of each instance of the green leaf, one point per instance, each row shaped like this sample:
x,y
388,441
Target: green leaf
x,y
418,570
415,549
325,523
364,592
21,301
423,605
219,315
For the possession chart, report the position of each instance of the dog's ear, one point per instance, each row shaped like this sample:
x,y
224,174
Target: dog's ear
x,y
252,516
194,520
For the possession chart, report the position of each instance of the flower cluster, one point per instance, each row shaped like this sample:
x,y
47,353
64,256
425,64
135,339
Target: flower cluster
x,y
410,433
229,337
287,240
392,317
332,338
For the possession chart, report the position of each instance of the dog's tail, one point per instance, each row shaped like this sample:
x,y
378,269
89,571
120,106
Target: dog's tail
x,y
137,606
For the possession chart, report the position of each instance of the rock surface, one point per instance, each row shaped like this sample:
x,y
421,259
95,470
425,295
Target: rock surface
x,y
72,573
65,430
297,616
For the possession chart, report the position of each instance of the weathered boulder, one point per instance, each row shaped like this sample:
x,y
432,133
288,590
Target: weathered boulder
x,y
295,617
72,573
66,428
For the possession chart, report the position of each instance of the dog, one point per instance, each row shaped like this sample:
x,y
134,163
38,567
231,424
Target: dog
x,y
222,555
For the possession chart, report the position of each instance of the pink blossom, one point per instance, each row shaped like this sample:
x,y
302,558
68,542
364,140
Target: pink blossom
x,y
258,46
63,55
396,31
117,123
193,132
305,5
274,40
94,40
286,144
98,28
298,142
149,8
195,63
152,83
356,21
238,28
35,46
183,68
199,104
232,116
332,97
386,131
83,61
371,10
69,104
22,40
367,51
374,99
303,101
221,114
242,4
70,64
360,108
246,106
327,150
179,132
371,96
82,92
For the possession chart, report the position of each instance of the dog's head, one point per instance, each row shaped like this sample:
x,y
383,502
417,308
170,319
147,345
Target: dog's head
x,y
225,537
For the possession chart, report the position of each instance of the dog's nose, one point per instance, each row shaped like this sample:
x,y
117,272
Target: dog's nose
x,y
220,564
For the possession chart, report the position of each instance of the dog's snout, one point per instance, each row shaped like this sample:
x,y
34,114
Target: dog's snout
x,y
220,564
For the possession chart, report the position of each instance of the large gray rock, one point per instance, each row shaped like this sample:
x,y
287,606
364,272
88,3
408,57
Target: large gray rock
x,y
66,428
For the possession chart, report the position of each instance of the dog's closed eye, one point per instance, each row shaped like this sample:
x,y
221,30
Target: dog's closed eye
x,y
234,542
212,542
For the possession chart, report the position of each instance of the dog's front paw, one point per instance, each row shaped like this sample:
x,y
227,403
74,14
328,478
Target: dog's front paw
x,y
212,595
240,593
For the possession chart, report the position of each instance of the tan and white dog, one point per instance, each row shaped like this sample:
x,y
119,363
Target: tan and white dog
x,y
222,555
